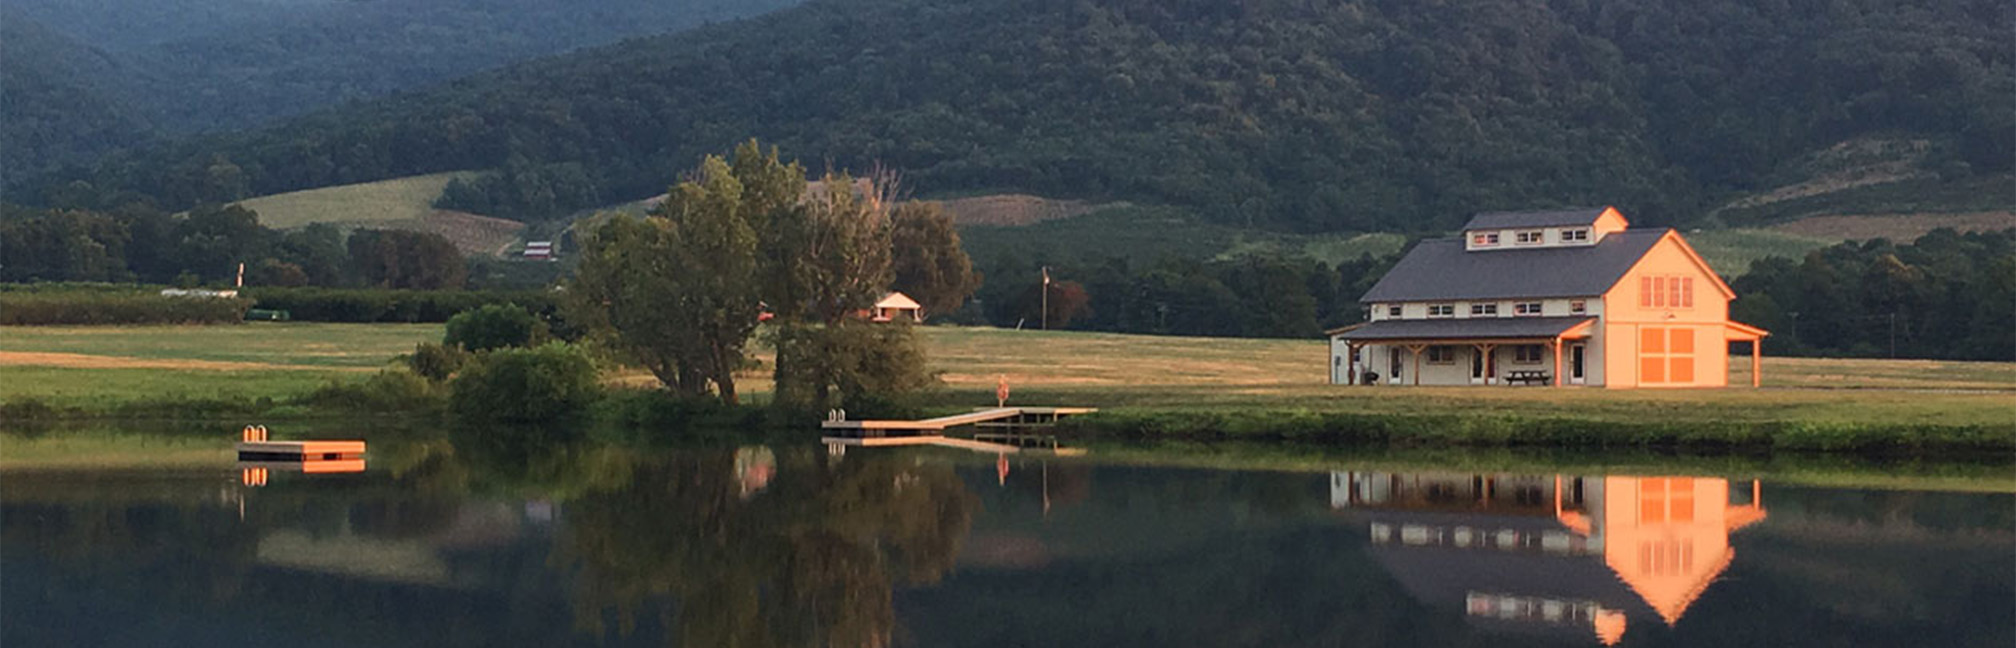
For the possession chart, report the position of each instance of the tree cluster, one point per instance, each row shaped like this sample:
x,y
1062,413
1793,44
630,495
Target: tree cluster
x,y
682,290
1310,116
1947,295
205,246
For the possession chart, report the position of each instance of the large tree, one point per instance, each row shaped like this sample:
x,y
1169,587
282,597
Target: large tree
x,y
928,262
680,290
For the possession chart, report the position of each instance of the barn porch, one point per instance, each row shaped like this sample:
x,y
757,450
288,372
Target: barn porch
x,y
1475,351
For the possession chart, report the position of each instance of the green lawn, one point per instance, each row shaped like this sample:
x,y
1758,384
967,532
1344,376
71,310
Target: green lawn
x,y
106,366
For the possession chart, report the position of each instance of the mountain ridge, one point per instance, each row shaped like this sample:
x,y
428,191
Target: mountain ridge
x,y
1290,115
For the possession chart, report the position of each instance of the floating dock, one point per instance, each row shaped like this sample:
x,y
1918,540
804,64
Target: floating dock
x,y
299,450
253,445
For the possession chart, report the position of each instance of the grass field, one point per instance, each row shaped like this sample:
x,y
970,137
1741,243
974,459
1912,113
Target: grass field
x,y
408,199
400,203
107,366
100,367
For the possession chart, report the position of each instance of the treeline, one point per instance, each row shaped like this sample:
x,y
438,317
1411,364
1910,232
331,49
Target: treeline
x,y
1947,296
1246,296
1356,115
137,243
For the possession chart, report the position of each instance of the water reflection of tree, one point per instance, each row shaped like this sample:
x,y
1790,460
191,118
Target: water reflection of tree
x,y
812,561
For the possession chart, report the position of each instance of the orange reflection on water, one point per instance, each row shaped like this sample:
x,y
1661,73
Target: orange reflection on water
x,y
1663,539
259,473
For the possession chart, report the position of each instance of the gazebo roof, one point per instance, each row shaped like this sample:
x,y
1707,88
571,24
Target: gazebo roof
x,y
897,301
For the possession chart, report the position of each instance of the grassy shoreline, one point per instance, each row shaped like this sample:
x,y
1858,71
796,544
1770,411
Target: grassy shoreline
x,y
1149,388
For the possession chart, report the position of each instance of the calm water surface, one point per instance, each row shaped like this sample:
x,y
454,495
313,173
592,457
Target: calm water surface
x,y
435,545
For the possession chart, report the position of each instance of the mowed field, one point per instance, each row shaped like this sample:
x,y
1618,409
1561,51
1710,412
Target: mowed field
x,y
400,203
96,367
99,367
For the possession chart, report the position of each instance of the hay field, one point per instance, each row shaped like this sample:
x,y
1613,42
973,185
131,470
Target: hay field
x,y
409,199
97,367
100,367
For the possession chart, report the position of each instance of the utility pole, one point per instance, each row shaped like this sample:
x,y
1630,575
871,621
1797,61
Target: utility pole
x,y
1046,298
1893,334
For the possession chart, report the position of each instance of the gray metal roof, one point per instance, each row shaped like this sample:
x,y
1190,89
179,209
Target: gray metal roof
x,y
1472,328
1440,270
1542,218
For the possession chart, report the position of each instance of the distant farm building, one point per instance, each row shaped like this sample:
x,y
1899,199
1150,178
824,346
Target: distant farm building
x,y
897,306
1571,297
539,251
199,293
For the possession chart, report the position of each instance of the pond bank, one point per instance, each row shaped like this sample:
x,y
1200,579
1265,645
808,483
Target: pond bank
x,y
1343,428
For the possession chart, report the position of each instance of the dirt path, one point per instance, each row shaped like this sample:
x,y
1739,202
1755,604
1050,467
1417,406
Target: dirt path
x,y
84,361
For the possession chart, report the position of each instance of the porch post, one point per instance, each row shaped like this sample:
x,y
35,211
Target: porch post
x,y
1757,362
1490,363
1350,363
1416,350
1555,348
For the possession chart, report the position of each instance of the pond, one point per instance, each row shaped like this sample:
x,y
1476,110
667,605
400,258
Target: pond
x,y
435,544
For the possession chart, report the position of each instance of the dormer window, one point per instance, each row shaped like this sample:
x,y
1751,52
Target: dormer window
x,y
1483,309
1483,239
1441,310
1578,235
1578,306
1393,310
1529,237
1526,308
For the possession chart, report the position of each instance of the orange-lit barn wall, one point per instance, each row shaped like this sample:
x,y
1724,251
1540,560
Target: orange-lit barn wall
x,y
1623,318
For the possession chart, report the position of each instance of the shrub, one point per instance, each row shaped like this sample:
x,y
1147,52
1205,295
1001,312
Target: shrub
x,y
538,384
492,326
437,362
389,391
379,305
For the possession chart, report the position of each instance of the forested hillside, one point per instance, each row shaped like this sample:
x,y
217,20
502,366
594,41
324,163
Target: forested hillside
x,y
54,106
183,66
1291,114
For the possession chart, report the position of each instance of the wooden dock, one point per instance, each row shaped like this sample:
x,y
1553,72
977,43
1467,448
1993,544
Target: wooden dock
x,y
990,417
931,431
948,442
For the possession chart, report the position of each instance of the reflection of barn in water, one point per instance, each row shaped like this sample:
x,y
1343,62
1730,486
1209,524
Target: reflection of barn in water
x,y
1560,555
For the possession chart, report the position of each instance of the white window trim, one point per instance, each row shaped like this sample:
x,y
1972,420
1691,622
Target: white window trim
x,y
1433,307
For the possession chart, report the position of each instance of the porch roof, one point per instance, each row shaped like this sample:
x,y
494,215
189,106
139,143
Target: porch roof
x,y
1476,328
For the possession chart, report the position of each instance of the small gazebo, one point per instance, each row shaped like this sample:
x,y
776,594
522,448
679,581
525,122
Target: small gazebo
x,y
895,306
